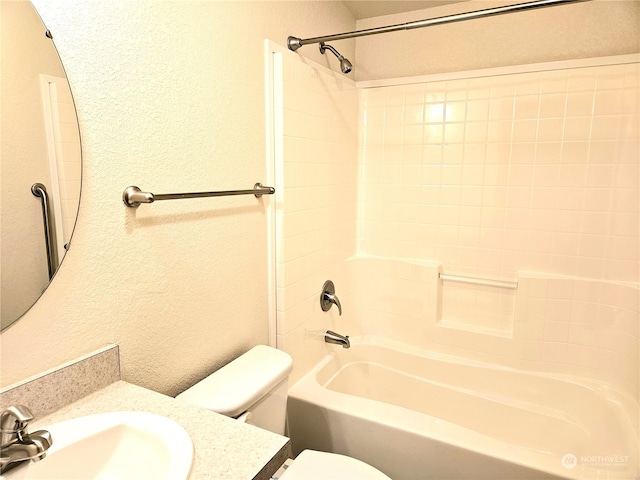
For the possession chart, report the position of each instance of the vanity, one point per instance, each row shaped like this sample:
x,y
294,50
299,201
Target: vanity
x,y
223,448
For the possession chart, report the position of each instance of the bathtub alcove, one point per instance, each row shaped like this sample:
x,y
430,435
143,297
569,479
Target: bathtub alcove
x,y
524,176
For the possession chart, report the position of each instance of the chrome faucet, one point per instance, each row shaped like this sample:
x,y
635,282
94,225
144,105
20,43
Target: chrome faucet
x,y
328,297
336,338
16,445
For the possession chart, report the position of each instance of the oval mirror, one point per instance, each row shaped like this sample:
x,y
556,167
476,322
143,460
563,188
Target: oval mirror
x,y
41,159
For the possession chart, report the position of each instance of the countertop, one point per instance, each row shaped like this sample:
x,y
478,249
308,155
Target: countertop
x,y
223,448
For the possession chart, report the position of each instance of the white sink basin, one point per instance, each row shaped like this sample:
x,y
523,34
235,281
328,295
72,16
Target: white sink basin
x,y
115,445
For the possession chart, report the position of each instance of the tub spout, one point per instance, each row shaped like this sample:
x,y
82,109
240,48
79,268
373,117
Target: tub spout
x,y
336,338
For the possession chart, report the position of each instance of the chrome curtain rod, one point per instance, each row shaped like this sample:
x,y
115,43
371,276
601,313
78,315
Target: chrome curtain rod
x,y
133,196
295,43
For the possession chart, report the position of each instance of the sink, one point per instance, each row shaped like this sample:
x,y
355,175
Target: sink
x,y
114,445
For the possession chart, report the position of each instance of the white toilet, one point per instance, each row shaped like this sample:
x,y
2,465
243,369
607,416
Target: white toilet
x,y
253,388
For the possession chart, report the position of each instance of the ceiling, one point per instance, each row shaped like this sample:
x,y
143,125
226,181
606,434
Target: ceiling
x,y
374,8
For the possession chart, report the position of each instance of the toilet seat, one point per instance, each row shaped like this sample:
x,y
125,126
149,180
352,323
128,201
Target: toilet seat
x,y
314,465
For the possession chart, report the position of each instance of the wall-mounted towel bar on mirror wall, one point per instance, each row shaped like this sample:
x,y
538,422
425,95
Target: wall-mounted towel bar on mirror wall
x,y
479,281
133,196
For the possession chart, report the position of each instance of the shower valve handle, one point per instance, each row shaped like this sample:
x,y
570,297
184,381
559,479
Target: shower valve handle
x,y
333,299
328,297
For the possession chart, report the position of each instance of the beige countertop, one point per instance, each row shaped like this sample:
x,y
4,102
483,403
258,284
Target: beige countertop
x,y
223,448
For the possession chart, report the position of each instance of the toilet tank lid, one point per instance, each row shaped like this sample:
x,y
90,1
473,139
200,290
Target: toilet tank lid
x,y
232,389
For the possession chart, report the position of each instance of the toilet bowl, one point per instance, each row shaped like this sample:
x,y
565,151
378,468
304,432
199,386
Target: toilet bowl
x,y
253,389
314,465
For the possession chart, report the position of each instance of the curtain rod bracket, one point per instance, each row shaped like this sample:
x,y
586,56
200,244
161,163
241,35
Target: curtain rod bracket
x,y
294,43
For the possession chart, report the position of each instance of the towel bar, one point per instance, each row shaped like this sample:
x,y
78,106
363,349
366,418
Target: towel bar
x,y
133,196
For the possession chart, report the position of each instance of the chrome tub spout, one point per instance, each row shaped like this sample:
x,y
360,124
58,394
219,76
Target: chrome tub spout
x,y
336,338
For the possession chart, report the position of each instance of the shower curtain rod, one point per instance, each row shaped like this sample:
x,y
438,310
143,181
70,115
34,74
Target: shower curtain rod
x,y
295,43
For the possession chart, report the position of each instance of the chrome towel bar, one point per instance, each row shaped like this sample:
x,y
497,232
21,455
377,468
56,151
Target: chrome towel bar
x,y
479,281
133,196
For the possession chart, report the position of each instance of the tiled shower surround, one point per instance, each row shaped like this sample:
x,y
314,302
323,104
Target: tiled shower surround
x,y
526,177
316,152
499,174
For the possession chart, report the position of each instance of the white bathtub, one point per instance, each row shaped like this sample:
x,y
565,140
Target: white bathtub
x,y
417,415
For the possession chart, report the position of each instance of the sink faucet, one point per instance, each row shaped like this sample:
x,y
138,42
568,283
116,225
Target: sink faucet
x,y
333,337
16,445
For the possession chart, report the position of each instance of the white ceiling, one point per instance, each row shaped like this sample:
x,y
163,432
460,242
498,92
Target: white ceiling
x,y
374,8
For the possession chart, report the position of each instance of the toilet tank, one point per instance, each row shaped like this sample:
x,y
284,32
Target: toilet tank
x,y
253,387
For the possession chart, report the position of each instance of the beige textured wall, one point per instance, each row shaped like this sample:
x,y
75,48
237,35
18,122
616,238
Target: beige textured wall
x,y
582,30
170,97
